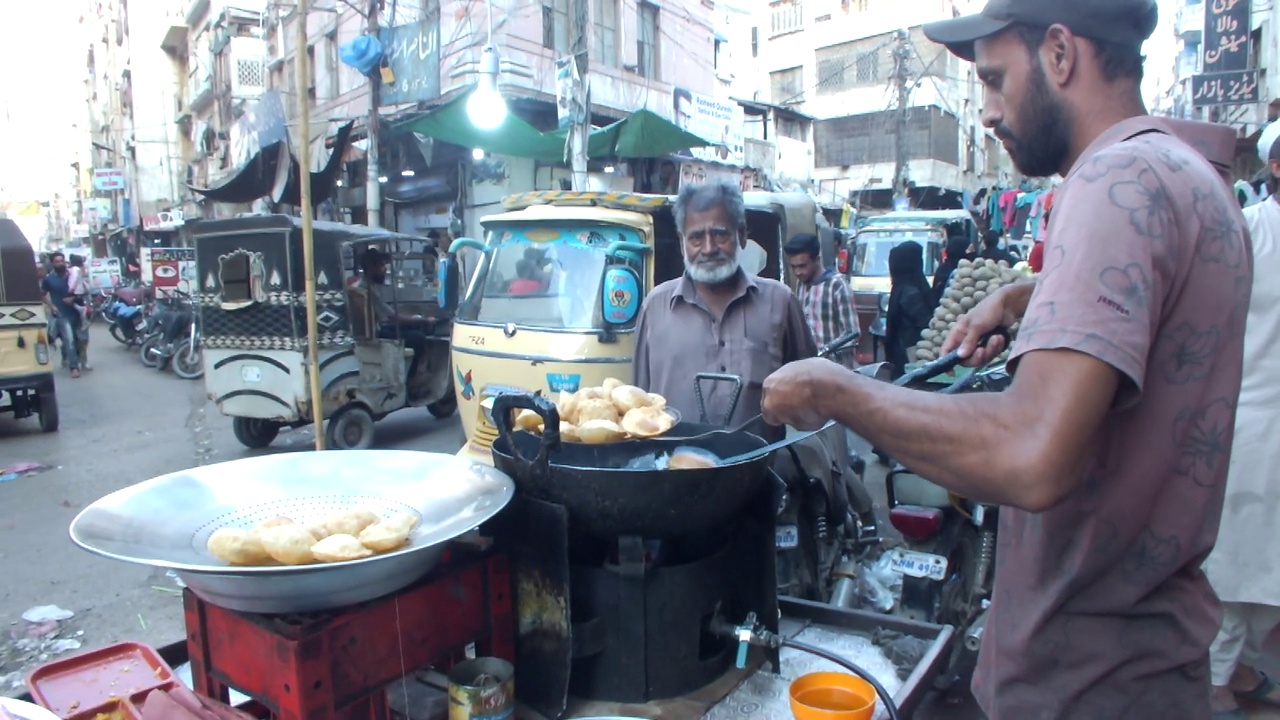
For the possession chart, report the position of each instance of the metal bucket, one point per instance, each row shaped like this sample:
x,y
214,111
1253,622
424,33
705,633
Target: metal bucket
x,y
482,689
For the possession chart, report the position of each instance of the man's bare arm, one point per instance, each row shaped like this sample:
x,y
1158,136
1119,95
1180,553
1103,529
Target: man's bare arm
x,y
1026,447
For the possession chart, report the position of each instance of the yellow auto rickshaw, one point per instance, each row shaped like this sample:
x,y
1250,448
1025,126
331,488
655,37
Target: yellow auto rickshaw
x,y
26,375
553,290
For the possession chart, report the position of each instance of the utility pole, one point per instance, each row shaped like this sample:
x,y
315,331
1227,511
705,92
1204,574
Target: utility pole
x,y
580,130
373,188
308,234
901,76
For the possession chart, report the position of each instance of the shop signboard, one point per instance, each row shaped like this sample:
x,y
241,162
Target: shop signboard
x,y
413,53
107,179
170,269
713,120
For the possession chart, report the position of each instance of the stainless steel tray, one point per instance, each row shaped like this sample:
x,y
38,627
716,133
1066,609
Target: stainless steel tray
x,y
166,521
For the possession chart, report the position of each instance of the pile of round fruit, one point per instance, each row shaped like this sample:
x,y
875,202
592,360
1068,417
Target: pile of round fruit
x,y
970,284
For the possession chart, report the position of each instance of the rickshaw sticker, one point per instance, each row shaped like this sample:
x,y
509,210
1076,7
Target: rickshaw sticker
x,y
621,300
468,391
210,283
563,382
542,235
274,280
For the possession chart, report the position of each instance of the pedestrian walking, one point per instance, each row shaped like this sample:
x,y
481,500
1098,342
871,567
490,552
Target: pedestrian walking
x,y
61,303
1242,567
80,287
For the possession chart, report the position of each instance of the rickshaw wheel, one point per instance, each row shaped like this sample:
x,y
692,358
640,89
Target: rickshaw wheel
x,y
48,412
445,406
351,428
254,433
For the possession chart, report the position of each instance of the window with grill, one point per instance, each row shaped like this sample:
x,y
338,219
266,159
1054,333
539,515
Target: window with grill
x,y
647,41
787,86
555,25
250,73
867,69
860,63
604,32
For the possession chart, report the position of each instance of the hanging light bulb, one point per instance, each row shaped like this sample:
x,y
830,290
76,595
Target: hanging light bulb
x,y
486,108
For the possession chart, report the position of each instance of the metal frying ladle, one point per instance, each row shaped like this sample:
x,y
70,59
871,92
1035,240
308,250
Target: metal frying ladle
x,y
752,454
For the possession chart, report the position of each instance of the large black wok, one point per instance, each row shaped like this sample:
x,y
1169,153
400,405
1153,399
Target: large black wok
x,y
608,499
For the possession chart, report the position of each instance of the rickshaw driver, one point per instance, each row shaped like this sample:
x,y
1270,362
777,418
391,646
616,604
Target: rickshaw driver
x,y
716,318
1109,451
392,325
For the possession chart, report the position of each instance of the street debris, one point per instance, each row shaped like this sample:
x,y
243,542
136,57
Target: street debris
x,y
22,469
47,613
44,632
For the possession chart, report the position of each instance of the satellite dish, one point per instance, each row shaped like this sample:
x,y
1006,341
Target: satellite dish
x,y
752,258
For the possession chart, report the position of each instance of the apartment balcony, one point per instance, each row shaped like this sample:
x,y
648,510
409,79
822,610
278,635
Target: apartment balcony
x,y
247,59
199,90
1190,22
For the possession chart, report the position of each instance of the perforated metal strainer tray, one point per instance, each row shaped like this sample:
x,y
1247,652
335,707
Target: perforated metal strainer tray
x,y
166,521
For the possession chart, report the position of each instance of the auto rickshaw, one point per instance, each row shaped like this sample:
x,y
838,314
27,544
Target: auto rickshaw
x,y
254,321
876,237
26,375
553,291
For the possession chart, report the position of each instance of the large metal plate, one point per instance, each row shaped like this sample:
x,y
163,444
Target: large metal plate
x,y
166,521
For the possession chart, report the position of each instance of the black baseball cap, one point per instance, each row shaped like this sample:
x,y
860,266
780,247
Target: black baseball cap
x,y
1128,22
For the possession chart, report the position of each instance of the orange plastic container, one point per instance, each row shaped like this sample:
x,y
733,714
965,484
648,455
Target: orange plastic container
x,y
832,696
111,681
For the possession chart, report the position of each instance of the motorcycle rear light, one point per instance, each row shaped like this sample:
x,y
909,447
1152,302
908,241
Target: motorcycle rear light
x,y
842,262
916,522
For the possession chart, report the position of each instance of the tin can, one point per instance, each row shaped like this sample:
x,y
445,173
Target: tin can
x,y
482,689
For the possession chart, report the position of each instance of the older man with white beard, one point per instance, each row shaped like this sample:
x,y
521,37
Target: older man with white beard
x,y
716,318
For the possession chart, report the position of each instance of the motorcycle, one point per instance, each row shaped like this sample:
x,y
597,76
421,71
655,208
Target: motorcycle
x,y
947,562
167,328
826,518
188,360
127,315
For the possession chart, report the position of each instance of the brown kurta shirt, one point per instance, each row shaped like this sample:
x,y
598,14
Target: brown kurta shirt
x,y
677,337
1100,609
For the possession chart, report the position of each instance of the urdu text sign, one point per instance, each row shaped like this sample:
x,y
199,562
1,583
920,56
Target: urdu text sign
x,y
413,52
1226,35
1225,88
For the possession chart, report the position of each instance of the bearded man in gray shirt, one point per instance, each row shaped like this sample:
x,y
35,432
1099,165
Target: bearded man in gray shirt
x,y
716,318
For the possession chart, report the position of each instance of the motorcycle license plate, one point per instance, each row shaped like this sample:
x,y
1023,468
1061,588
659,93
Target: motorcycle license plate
x,y
788,536
918,564
251,374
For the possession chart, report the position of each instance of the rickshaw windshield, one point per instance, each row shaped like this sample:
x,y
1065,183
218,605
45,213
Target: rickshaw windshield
x,y
542,277
871,254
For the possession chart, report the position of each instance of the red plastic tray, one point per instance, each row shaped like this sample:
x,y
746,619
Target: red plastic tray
x,y
105,684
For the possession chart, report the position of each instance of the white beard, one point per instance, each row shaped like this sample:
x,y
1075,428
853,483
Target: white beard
x,y
712,274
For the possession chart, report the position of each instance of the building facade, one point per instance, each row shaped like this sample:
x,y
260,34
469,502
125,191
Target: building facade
x,y
1209,30
850,65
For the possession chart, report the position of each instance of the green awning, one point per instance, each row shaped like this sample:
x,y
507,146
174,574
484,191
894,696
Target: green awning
x,y
514,137
642,134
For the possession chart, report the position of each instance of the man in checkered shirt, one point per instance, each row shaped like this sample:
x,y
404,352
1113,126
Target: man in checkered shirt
x,y
824,295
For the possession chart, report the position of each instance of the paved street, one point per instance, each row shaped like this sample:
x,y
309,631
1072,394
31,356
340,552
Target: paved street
x,y
121,423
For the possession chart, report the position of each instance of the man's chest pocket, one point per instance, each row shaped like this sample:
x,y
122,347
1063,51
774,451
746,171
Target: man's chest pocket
x,y
763,358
